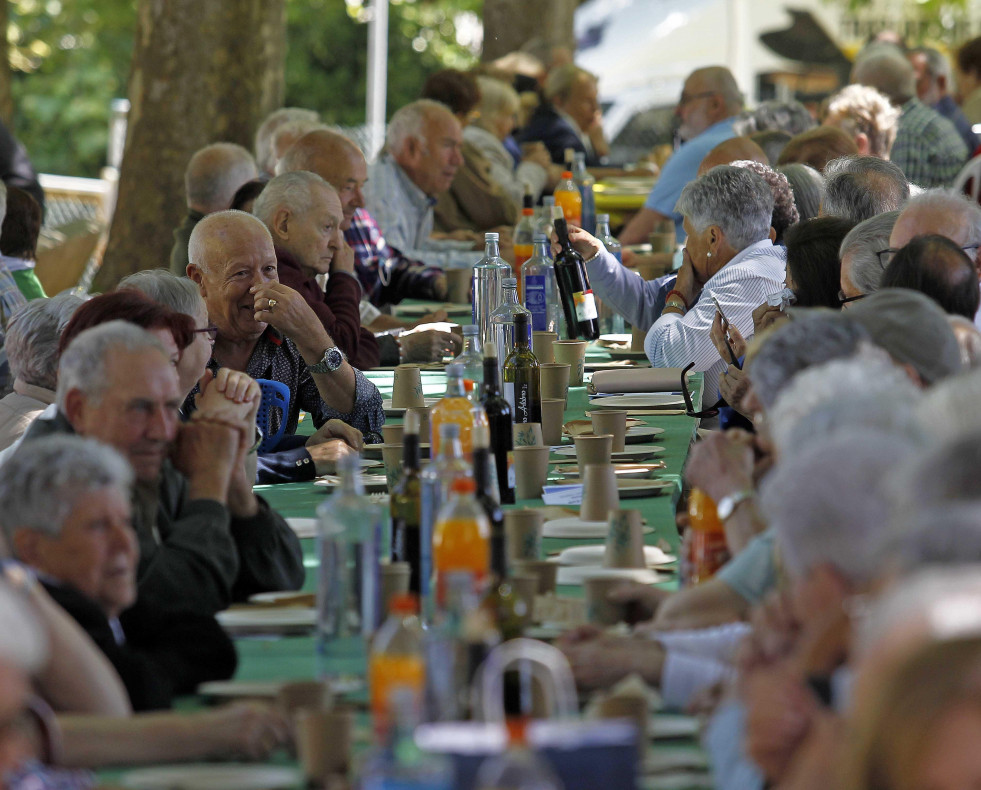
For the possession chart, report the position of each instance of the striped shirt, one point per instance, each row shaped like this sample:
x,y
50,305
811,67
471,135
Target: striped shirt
x,y
740,287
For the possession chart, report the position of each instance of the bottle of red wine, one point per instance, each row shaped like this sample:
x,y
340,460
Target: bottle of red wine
x,y
500,422
578,304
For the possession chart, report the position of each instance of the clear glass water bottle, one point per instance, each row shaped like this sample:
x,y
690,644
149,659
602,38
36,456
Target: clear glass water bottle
x,y
540,289
487,287
350,540
472,356
585,183
610,320
502,319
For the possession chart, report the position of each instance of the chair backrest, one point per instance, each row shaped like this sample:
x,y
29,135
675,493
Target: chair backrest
x,y
275,397
968,180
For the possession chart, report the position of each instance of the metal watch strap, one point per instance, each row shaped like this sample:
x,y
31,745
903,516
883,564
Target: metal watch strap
x,y
728,504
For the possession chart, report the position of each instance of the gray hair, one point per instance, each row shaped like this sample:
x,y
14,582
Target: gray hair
x,y
886,69
828,505
950,407
738,200
215,173
947,534
791,117
264,153
951,204
937,64
868,372
812,338
200,236
862,243
296,191
178,293
410,122
83,364
946,474
496,97
32,338
44,478
559,82
808,188
861,187
863,109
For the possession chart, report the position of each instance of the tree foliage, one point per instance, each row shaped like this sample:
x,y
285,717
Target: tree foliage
x,y
70,59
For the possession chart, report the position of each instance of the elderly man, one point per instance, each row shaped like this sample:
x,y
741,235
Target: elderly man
x,y
66,513
269,331
936,266
865,114
266,155
927,148
728,254
386,275
709,103
205,538
861,187
303,214
568,117
212,177
862,254
32,349
933,80
423,151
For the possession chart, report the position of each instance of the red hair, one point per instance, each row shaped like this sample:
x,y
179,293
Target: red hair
x,y
132,306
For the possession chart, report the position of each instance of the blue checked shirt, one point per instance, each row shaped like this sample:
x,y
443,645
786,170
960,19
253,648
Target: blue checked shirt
x,y
928,148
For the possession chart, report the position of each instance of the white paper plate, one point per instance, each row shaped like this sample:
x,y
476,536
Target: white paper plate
x,y
593,555
622,471
577,574
641,433
606,340
653,401
228,776
632,453
574,528
372,483
635,489
303,527
268,620
664,726
268,689
391,411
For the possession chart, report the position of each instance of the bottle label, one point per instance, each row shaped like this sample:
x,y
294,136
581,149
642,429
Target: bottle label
x,y
585,305
509,397
535,302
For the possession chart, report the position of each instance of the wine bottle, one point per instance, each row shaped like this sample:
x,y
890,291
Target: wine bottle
x,y
522,376
406,504
578,304
500,423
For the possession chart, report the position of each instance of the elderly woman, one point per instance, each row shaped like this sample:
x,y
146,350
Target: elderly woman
x,y
32,349
729,255
499,104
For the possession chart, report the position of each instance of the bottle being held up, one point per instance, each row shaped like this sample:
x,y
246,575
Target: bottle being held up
x,y
405,504
487,287
708,548
578,303
499,422
522,376
567,198
540,289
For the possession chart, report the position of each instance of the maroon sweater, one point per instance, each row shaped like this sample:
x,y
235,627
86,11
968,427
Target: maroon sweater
x,y
336,307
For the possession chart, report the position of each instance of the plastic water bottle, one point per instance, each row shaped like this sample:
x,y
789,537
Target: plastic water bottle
x,y
472,356
487,288
585,183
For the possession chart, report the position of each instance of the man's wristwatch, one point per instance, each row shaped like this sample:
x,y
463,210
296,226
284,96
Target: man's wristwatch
x,y
332,360
728,504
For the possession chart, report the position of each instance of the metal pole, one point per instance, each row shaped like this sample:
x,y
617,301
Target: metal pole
x,y
377,76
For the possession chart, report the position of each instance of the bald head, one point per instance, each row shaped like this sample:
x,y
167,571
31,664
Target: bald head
x,y
335,159
214,174
733,150
942,213
216,232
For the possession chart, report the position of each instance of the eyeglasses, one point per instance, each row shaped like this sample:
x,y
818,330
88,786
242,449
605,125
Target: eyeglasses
x,y
690,404
210,331
843,300
685,99
886,256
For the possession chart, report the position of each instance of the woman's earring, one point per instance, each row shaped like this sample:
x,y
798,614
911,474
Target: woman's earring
x,y
708,254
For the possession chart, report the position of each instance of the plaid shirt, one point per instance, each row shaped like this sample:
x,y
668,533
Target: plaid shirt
x,y
928,148
277,358
377,264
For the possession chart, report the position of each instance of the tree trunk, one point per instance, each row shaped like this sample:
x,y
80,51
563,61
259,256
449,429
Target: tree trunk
x,y
202,72
540,24
6,99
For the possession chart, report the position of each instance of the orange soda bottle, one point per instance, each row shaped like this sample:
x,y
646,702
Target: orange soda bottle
x,y
396,664
708,549
456,407
568,198
461,538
